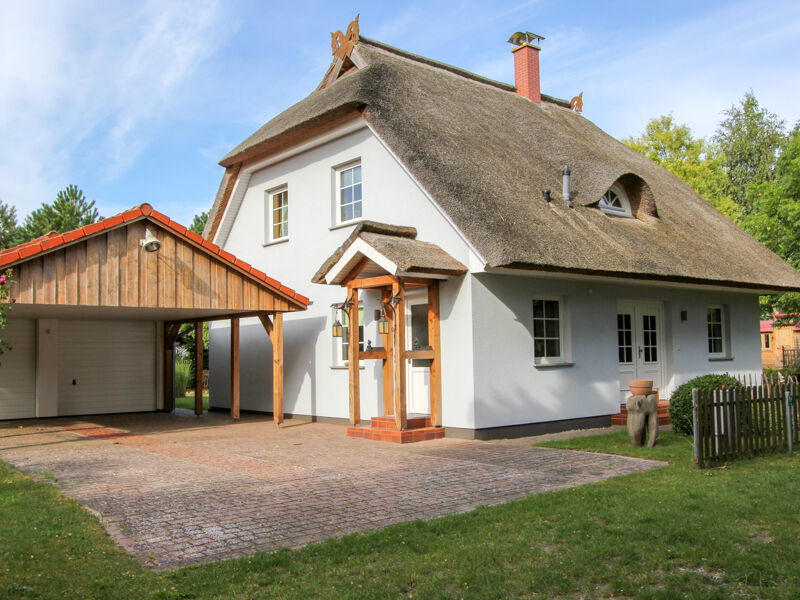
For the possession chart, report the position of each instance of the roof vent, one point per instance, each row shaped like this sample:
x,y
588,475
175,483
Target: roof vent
x,y
526,65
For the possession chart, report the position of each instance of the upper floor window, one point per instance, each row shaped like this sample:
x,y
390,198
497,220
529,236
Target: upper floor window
x,y
615,202
349,193
717,331
277,214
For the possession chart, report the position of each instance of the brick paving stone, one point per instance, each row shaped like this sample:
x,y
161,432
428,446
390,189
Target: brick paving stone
x,y
175,490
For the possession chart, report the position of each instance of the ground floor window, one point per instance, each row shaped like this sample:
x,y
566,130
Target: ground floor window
x,y
341,345
548,330
717,343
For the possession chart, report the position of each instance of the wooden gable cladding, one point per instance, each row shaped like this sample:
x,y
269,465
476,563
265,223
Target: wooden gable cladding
x,y
110,268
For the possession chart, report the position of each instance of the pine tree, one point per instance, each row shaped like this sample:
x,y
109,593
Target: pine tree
x,y
9,230
69,211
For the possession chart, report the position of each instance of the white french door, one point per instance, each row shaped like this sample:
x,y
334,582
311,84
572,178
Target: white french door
x,y
640,342
418,369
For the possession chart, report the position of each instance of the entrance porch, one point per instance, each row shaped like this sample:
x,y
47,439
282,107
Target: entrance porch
x,y
406,273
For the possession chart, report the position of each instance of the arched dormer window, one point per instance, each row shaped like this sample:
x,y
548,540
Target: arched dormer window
x,y
615,202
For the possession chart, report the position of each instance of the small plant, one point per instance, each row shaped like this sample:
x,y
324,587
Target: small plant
x,y
183,373
680,403
5,305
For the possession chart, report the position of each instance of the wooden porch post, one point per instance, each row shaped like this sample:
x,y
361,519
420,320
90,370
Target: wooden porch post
x,y
386,341
277,368
434,341
353,357
170,334
235,367
398,356
198,368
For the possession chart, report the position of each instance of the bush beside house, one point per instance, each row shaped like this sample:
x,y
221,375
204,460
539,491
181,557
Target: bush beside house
x,y
680,403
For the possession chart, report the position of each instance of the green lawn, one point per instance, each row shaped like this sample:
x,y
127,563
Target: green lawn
x,y
673,532
188,402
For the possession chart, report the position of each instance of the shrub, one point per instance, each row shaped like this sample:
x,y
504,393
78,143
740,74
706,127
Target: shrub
x,y
183,373
680,403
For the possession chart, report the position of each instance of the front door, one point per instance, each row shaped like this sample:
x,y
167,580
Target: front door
x,y
418,369
639,343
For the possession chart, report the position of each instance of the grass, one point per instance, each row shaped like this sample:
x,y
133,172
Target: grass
x,y
672,532
188,402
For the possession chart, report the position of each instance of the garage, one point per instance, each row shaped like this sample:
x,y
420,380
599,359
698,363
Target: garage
x,y
18,370
89,383
98,310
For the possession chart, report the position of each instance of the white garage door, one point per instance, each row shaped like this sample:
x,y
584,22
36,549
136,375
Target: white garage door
x,y
106,367
18,370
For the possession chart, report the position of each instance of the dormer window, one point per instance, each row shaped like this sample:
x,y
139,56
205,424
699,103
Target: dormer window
x,y
615,202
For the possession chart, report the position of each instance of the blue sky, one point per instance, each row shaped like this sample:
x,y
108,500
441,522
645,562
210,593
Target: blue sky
x,y
137,102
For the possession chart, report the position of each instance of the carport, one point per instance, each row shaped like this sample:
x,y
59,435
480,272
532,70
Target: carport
x,y
98,310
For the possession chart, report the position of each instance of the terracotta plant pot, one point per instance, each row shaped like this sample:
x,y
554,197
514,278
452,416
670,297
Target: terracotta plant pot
x,y
640,387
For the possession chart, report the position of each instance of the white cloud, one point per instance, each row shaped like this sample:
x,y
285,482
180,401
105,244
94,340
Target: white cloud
x,y
91,80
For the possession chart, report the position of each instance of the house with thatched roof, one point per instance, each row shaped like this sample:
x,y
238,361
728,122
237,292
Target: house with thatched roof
x,y
487,262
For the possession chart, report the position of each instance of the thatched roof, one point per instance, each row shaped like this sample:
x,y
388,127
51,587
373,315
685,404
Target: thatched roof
x,y
484,153
400,246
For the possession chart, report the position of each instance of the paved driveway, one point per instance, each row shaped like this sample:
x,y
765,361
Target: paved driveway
x,y
177,489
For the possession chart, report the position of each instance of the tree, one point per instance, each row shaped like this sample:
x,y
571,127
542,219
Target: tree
x,y
749,138
9,230
69,211
199,223
697,162
773,218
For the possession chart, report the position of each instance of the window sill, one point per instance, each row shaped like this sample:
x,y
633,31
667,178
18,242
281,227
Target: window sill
x,y
273,242
550,365
347,224
720,358
345,368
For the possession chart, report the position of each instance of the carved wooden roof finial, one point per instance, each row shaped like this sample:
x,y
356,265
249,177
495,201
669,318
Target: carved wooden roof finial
x,y
342,43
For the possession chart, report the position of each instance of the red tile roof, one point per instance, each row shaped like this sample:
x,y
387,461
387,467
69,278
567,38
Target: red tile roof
x,y
766,326
53,240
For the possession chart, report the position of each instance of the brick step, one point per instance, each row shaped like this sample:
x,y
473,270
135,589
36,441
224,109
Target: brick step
x,y
419,434
622,417
411,422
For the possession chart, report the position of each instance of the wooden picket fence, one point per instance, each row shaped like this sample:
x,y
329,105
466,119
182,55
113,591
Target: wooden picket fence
x,y
745,422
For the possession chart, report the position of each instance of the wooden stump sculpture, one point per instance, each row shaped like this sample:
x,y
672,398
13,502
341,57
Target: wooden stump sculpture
x,y
643,417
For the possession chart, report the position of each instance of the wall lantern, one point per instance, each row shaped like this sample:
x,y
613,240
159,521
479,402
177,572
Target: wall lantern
x,y
150,243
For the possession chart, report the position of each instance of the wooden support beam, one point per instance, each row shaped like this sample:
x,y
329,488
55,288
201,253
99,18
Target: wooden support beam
x,y
386,340
235,368
398,364
372,282
419,354
352,357
170,334
198,368
434,341
277,368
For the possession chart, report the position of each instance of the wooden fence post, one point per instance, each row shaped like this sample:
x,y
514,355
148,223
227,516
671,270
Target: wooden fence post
x,y
789,433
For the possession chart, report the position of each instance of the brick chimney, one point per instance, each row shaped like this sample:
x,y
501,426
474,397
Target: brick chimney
x,y
526,65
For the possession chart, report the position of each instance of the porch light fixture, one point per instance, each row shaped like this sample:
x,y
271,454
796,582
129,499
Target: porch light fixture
x,y
383,325
150,243
337,330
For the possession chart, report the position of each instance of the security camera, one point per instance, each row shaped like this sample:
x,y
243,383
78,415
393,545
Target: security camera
x,y
150,243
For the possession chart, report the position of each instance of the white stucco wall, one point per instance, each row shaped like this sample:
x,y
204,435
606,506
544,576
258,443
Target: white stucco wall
x,y
312,386
509,389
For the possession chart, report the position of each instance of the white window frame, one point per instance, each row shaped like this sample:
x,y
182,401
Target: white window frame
x,y
337,192
338,361
625,211
724,336
565,356
269,216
